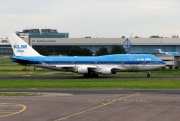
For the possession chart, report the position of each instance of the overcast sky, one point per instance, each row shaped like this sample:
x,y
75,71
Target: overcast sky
x,y
95,18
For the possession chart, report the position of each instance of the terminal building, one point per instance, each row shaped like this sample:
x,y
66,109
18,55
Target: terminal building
x,y
60,44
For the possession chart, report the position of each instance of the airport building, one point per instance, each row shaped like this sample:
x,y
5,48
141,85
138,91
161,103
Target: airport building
x,y
59,44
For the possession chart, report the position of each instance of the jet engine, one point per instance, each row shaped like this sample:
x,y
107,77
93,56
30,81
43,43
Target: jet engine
x,y
82,70
106,71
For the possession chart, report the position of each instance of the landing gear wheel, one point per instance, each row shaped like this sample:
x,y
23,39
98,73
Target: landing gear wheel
x,y
86,75
91,75
95,75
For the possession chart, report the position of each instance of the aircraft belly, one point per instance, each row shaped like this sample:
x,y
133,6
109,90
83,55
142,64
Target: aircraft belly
x,y
152,67
143,67
131,67
136,67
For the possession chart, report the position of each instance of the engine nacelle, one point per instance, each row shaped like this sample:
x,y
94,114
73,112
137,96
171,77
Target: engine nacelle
x,y
106,71
82,70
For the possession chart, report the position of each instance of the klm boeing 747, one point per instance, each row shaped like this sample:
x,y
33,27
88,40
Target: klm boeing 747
x,y
89,66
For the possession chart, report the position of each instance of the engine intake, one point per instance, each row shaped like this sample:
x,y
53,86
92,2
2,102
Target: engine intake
x,y
106,71
82,70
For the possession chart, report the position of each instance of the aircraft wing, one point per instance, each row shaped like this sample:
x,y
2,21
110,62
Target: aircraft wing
x,y
74,66
68,66
119,68
65,66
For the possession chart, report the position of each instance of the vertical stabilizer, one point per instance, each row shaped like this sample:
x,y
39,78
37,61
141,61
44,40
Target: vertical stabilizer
x,y
160,51
20,47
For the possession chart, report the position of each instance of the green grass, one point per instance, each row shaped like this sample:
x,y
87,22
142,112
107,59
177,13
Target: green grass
x,y
149,83
18,94
5,60
94,83
18,70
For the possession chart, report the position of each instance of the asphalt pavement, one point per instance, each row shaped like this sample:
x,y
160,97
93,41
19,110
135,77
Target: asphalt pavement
x,y
91,105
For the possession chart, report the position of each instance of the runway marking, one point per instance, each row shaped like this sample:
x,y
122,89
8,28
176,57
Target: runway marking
x,y
119,100
99,106
9,109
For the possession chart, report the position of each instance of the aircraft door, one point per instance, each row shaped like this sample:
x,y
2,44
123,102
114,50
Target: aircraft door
x,y
95,63
143,67
73,63
144,63
122,63
130,57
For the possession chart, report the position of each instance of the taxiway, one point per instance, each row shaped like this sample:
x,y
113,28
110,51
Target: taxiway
x,y
92,105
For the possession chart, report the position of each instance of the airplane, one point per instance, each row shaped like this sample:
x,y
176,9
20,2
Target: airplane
x,y
167,53
89,66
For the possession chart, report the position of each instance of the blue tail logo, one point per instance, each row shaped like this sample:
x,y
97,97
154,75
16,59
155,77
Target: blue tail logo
x,y
20,46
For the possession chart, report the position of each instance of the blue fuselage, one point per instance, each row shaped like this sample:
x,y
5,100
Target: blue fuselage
x,y
108,59
120,62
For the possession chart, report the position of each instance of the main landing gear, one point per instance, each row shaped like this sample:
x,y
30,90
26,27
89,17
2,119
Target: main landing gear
x,y
89,75
148,74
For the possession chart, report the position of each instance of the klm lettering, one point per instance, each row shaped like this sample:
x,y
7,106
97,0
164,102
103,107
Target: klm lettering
x,y
20,46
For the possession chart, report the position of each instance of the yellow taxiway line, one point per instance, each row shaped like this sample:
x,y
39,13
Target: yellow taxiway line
x,y
6,113
99,106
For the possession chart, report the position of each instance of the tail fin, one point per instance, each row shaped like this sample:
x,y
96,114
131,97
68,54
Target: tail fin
x,y
159,50
20,47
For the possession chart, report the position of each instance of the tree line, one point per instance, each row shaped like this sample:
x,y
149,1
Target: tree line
x,y
78,51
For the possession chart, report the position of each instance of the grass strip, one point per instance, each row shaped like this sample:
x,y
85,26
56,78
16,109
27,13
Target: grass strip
x,y
94,83
18,94
19,70
5,60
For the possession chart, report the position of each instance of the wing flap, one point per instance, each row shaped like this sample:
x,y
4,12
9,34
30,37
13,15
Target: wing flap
x,y
65,66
